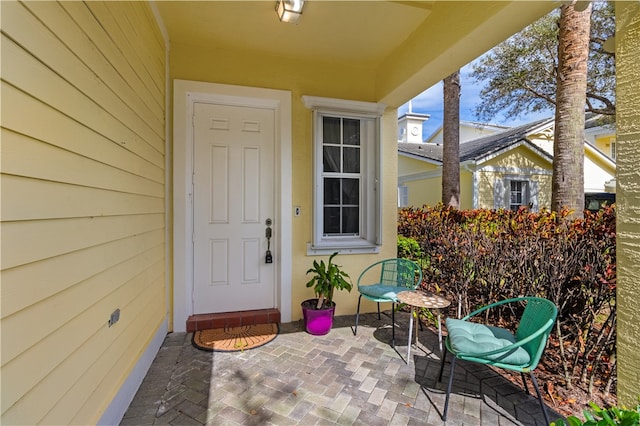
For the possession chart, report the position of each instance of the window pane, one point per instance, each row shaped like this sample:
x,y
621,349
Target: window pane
x,y
350,191
351,160
331,158
351,131
331,130
331,191
350,220
517,194
331,220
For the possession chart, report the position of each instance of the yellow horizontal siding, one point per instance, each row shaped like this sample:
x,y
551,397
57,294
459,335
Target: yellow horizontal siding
x,y
100,296
39,81
60,200
61,307
68,58
70,135
23,156
31,241
137,74
149,311
83,348
26,285
149,60
83,204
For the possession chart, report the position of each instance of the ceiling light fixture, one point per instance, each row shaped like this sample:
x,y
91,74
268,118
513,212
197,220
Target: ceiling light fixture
x,y
289,10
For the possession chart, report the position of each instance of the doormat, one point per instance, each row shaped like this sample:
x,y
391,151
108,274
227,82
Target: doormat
x,y
233,339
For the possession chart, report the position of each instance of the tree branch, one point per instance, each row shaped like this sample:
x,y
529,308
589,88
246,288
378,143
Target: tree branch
x,y
609,109
535,93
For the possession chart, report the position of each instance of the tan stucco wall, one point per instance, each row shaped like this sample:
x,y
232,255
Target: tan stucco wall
x,y
314,79
466,189
597,169
421,190
83,204
408,166
425,192
628,200
604,143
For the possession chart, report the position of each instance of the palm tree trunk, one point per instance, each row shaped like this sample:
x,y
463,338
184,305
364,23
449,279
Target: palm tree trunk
x,y
568,146
451,141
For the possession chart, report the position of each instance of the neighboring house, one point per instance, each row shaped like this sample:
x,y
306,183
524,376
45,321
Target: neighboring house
x,y
469,130
504,170
601,134
145,145
599,166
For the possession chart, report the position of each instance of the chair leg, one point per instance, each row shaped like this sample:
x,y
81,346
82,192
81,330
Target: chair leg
x,y
393,325
446,401
355,331
442,361
544,409
379,311
524,383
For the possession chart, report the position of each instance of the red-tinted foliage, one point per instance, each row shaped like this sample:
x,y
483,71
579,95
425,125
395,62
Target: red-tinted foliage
x,y
480,256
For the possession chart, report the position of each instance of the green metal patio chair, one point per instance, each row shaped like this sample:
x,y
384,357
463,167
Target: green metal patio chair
x,y
486,344
396,275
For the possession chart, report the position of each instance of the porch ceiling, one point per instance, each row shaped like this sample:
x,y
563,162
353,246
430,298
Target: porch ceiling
x,y
411,44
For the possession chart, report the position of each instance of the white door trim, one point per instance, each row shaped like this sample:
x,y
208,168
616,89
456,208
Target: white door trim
x,y
185,94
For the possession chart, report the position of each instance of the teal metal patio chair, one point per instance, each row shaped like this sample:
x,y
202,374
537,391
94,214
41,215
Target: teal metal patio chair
x,y
486,344
396,275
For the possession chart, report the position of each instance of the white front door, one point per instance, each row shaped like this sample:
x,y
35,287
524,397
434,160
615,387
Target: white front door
x,y
233,187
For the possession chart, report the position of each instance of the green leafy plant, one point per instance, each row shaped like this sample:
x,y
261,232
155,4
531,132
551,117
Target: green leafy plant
x,y
326,278
598,416
409,248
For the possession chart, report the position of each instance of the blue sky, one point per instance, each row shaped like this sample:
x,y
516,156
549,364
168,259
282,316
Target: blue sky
x,y
430,102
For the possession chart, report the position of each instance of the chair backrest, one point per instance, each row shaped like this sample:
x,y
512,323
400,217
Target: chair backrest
x,y
538,314
400,273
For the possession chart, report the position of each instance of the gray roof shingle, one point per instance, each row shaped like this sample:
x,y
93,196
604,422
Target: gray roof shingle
x,y
477,149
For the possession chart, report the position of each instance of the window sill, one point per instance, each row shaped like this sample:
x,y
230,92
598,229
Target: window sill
x,y
342,249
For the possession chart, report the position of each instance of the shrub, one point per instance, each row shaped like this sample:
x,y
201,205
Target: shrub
x,y
481,256
409,248
597,416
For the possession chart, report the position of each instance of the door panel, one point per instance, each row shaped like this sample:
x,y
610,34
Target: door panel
x,y
233,198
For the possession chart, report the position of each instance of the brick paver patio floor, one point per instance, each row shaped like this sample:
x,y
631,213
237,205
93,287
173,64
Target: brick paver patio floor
x,y
337,379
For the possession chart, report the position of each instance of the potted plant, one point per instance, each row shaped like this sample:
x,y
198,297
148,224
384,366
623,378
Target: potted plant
x,y
318,312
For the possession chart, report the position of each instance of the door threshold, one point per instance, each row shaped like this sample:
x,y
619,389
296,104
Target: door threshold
x,y
232,319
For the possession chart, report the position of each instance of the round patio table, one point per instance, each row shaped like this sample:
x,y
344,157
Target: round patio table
x,y
421,299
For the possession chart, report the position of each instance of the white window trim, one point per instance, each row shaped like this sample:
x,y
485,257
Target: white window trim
x,y
371,206
612,148
502,191
403,196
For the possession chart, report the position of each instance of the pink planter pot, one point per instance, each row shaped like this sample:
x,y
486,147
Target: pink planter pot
x,y
317,321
